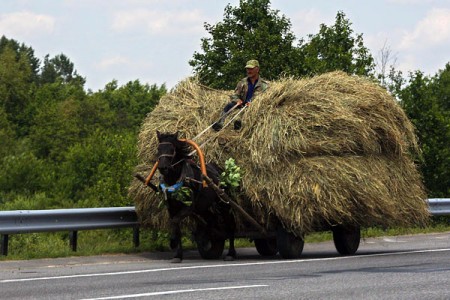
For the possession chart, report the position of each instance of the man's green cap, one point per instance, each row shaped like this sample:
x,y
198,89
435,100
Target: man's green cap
x,y
252,64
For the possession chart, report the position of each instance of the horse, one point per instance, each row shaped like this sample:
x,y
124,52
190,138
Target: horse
x,y
214,219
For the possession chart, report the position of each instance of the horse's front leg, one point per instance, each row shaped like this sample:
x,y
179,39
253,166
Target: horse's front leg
x,y
175,242
177,213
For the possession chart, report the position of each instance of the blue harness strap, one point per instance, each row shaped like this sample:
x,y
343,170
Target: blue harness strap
x,y
172,188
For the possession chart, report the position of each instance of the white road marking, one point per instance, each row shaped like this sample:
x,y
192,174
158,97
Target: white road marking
x,y
178,292
220,266
389,240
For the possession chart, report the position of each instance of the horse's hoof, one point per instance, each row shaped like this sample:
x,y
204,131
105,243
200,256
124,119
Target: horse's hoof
x,y
175,260
228,258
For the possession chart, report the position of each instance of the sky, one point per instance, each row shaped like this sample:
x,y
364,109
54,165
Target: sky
x,y
153,40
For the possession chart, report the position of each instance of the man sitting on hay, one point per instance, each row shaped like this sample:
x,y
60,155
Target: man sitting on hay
x,y
243,94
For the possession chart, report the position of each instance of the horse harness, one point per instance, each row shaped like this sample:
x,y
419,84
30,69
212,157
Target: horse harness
x,y
187,176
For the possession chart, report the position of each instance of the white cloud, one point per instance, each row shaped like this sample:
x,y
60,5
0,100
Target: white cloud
x,y
26,24
423,47
123,64
159,22
433,30
308,22
410,62
113,61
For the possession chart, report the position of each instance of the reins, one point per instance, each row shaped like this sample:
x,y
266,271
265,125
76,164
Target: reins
x,y
210,126
224,126
216,134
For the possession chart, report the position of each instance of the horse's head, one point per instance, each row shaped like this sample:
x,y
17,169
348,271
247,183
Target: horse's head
x,y
170,151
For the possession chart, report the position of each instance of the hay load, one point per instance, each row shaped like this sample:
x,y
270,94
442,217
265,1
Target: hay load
x,y
333,148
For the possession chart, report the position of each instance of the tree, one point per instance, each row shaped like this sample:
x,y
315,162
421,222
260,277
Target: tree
x,y
385,65
21,50
7,136
336,48
420,99
60,68
440,90
441,87
250,31
131,102
15,87
98,169
24,173
56,127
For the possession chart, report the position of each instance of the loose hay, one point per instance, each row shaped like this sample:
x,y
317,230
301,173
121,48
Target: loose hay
x,y
330,149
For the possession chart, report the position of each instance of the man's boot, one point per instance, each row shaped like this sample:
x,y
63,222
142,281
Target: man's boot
x,y
219,124
237,124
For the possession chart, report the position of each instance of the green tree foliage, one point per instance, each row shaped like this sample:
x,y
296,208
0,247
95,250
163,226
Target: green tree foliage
x,y
131,102
254,30
25,174
426,103
7,136
336,48
61,146
21,50
56,127
441,89
250,31
15,86
97,171
60,68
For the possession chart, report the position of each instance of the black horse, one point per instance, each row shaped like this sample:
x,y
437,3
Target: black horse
x,y
214,220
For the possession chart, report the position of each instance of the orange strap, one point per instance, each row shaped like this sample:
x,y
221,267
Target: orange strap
x,y
201,157
150,176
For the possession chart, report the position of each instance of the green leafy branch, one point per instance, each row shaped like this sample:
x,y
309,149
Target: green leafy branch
x,y
232,175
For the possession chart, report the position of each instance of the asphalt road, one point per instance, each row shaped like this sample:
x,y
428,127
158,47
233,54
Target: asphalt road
x,y
405,267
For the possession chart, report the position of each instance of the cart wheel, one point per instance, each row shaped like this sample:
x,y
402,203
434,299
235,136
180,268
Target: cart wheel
x,y
346,239
208,248
288,244
266,247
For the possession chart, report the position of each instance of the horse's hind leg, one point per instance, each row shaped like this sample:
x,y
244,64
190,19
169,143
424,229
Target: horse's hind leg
x,y
231,255
231,228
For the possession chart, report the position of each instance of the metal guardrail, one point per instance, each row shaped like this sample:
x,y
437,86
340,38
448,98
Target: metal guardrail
x,y
439,206
72,220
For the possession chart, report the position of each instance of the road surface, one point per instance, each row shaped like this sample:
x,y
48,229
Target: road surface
x,y
404,267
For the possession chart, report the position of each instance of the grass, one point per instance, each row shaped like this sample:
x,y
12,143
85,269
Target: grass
x,y
92,242
98,242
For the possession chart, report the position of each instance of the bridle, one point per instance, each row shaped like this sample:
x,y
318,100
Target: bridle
x,y
180,182
172,156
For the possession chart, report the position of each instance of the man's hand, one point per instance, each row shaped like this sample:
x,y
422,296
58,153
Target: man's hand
x,y
239,102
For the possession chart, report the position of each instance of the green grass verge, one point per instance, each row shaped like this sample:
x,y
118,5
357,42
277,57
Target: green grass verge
x,y
97,242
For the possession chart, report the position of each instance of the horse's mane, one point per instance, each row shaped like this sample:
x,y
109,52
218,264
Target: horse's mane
x,y
181,147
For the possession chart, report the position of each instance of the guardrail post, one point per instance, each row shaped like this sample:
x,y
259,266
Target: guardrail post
x,y
136,240
73,238
4,244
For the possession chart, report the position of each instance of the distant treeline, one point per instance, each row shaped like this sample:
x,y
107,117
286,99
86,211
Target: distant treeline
x,y
62,146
